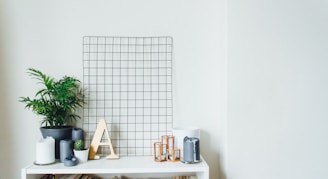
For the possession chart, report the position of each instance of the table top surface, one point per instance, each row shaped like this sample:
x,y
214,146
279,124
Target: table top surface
x,y
138,164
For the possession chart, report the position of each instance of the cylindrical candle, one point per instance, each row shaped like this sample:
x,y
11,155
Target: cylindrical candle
x,y
77,134
188,150
180,133
66,149
45,151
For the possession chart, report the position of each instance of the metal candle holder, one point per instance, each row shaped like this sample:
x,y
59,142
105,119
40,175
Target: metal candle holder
x,y
165,150
172,153
159,156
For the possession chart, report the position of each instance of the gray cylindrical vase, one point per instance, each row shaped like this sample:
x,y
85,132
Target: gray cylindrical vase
x,y
66,149
77,134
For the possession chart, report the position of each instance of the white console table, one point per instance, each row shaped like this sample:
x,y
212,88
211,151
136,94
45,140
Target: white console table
x,y
131,167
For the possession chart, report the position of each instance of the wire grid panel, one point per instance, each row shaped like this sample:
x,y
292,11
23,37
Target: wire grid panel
x,y
129,84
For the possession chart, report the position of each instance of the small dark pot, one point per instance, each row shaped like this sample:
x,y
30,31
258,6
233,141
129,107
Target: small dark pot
x,y
59,133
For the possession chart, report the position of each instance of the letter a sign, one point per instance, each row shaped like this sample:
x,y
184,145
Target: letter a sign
x,y
96,141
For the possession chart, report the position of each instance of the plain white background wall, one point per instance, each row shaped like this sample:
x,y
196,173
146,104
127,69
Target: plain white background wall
x,y
277,77
47,35
277,89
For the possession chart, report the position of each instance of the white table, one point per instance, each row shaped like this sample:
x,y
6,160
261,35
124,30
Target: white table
x,y
132,167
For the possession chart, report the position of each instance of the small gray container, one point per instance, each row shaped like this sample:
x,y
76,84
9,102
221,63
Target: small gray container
x,y
191,150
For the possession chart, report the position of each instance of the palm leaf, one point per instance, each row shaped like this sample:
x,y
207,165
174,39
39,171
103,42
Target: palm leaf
x,y
57,101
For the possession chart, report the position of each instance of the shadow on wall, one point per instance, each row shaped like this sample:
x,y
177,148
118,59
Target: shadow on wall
x,y
6,164
212,157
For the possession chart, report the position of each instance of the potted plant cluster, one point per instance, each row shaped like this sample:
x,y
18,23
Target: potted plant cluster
x,y
80,152
58,102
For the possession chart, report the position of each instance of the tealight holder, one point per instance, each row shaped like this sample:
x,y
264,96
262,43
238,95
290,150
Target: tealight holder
x,y
165,142
170,142
173,155
159,156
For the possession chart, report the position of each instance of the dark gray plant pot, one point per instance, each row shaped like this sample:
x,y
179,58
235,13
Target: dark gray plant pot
x,y
59,133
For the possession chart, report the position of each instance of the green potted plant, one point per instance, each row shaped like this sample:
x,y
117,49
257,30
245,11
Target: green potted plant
x,y
80,152
58,102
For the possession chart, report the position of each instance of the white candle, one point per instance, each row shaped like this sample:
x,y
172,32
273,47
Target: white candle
x,y
45,151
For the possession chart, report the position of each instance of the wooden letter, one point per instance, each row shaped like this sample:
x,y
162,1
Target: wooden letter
x,y
96,141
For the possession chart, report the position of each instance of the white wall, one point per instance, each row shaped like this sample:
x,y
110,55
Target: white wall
x,y
277,89
47,35
277,79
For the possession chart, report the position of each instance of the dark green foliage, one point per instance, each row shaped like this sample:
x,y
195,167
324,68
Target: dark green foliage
x,y
78,145
57,101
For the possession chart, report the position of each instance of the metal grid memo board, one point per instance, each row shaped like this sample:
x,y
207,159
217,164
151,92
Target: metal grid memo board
x,y
128,81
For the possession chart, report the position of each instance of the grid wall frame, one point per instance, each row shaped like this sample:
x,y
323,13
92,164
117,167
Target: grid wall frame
x,y
128,82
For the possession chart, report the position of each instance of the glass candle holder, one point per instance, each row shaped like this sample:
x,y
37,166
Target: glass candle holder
x,y
170,142
165,141
173,155
159,154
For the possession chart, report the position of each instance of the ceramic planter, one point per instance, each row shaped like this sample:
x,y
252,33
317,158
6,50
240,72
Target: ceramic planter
x,y
82,155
